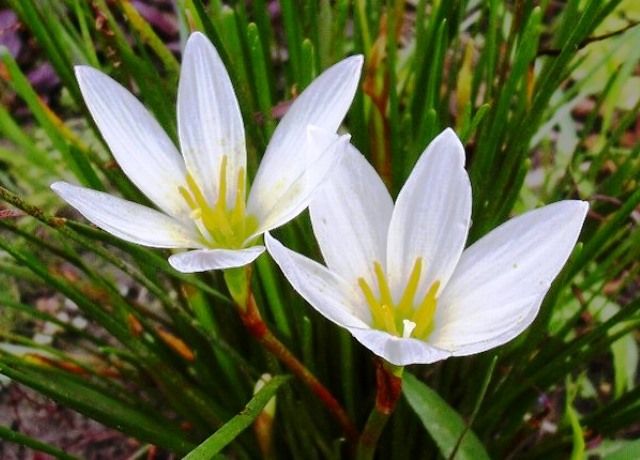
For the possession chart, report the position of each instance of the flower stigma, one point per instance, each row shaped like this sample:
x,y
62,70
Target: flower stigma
x,y
220,225
406,318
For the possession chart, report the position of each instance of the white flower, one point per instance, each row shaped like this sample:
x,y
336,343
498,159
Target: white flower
x,y
201,194
397,277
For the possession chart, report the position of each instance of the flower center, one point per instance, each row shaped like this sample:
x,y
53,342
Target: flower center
x,y
221,226
406,318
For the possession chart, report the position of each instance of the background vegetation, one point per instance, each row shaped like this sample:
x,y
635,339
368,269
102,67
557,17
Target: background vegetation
x,y
545,95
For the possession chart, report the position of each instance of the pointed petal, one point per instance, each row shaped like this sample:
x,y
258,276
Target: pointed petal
x,y
138,143
497,287
330,295
350,214
323,104
276,207
397,350
202,260
431,217
209,119
127,220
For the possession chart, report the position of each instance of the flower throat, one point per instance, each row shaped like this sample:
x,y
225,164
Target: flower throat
x,y
220,225
401,319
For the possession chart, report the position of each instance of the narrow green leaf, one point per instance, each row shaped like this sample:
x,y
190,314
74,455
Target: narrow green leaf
x,y
56,130
230,430
627,452
571,416
442,422
260,73
291,21
13,436
96,403
148,35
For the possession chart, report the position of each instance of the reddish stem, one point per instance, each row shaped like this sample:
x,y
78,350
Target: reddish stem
x,y
259,329
388,390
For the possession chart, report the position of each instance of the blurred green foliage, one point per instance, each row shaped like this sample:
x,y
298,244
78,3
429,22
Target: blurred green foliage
x,y
543,94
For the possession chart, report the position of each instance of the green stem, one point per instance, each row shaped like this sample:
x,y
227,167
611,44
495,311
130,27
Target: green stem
x,y
388,389
255,325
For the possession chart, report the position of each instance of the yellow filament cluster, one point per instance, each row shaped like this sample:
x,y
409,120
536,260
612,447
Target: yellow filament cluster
x,y
221,226
392,317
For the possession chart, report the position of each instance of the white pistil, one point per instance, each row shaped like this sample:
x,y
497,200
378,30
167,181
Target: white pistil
x,y
407,328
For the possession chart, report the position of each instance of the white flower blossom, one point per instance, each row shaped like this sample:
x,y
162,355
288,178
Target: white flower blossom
x,y
398,277
201,193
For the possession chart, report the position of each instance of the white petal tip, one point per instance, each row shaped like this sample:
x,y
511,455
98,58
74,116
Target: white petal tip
x,y
56,186
198,39
61,188
351,64
85,72
450,136
197,35
584,206
356,60
201,260
449,131
576,208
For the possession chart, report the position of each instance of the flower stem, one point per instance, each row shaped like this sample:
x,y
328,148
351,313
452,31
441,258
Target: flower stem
x,y
388,389
254,323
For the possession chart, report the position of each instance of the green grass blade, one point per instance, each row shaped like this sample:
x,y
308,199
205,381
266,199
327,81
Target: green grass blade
x,y
14,436
441,421
232,429
95,403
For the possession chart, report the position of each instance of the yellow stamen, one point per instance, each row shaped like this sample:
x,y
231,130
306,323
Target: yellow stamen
x,y
401,317
374,306
405,306
237,214
221,203
196,193
389,320
423,316
220,225
187,197
383,286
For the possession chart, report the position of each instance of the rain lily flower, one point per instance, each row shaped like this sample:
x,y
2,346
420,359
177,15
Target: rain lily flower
x,y
398,277
201,194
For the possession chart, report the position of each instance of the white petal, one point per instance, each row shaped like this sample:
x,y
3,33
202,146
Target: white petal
x,y
138,143
127,220
483,332
329,294
432,215
209,120
398,350
350,214
497,287
276,207
202,260
323,104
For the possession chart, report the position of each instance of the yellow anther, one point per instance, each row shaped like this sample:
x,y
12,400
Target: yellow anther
x,y
405,306
423,316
